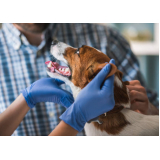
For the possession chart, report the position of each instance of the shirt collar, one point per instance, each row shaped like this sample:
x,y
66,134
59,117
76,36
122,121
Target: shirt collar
x,y
16,38
13,35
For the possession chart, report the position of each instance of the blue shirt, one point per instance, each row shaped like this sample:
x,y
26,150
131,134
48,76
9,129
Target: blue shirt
x,y
22,63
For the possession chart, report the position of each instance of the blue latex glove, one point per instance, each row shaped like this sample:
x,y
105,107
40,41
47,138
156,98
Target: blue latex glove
x,y
47,90
92,101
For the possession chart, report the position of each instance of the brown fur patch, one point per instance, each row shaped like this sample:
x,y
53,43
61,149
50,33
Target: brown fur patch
x,y
112,123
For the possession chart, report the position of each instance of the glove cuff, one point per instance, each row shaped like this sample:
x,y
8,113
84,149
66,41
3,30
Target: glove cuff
x,y
73,117
27,98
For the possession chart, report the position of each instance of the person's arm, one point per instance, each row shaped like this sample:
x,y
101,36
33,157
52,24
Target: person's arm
x,y
63,129
139,99
12,116
43,90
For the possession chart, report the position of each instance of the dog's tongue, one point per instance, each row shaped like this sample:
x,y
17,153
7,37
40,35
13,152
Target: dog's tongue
x,y
52,65
55,67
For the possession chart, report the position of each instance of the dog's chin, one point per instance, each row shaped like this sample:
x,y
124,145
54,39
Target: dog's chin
x,y
58,76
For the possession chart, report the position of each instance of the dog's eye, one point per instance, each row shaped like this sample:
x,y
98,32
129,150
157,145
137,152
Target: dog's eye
x,y
77,51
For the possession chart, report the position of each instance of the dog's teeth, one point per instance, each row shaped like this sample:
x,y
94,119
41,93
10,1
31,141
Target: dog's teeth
x,y
60,69
67,69
63,69
50,64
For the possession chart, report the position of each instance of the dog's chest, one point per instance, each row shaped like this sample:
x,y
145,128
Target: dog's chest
x,y
91,130
140,125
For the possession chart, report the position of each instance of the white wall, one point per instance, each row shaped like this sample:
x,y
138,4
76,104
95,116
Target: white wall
x,y
149,66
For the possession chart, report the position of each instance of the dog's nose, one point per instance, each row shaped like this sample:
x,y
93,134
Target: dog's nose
x,y
54,42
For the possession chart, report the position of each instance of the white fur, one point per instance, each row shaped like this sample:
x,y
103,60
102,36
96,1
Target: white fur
x,y
75,89
97,50
118,82
128,105
58,51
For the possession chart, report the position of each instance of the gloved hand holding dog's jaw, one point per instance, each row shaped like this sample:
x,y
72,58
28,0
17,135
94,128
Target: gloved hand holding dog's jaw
x,y
92,101
47,90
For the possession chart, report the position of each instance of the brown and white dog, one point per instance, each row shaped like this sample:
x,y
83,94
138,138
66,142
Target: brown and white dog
x,y
83,64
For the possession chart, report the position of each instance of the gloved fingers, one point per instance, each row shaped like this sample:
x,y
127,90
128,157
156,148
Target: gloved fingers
x,y
70,98
67,101
97,81
59,82
68,95
108,85
112,61
93,119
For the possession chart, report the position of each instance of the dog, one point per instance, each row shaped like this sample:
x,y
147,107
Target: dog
x,y
82,65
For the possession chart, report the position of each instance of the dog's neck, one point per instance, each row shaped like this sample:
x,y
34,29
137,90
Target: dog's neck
x,y
75,89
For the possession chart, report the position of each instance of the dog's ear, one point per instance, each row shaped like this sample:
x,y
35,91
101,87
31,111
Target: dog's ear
x,y
120,74
93,70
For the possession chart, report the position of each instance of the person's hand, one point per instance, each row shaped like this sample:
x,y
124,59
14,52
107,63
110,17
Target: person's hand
x,y
47,90
92,101
139,100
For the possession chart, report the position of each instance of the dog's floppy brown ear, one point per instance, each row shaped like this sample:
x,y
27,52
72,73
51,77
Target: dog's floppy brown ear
x,y
93,70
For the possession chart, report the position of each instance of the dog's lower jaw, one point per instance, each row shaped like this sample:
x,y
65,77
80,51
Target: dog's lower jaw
x,y
75,89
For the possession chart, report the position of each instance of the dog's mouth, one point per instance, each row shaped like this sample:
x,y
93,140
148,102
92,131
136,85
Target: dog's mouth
x,y
55,67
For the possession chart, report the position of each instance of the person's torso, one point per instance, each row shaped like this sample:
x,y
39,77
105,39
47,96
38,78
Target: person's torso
x,y
21,64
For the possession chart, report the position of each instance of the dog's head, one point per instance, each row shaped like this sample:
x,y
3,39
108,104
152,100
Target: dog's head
x,y
83,64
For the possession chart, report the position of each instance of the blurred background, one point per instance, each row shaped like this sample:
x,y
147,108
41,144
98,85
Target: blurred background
x,y
144,41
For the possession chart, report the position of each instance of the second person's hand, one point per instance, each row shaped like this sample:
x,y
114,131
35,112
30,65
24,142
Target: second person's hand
x,y
47,90
139,99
